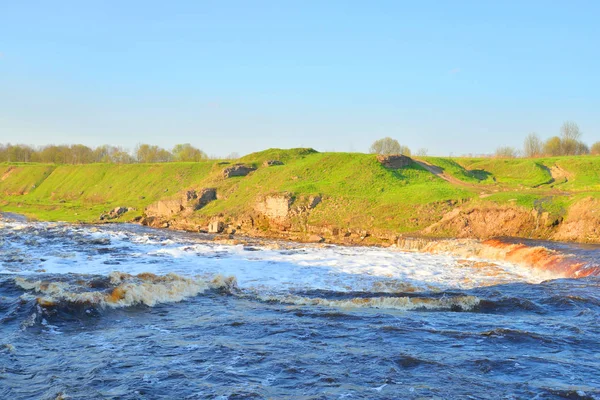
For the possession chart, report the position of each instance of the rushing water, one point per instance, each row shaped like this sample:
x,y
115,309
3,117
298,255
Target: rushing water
x,y
126,312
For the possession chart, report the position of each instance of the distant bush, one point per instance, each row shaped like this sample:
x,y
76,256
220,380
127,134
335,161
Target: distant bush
x,y
145,153
553,146
506,152
187,152
595,149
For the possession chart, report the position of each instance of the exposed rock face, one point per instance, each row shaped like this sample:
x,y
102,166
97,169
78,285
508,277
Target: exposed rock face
x,y
115,213
485,223
216,226
270,163
582,223
189,202
394,161
237,170
206,196
165,208
275,207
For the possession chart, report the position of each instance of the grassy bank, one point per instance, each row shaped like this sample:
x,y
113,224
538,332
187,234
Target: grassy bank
x,y
357,191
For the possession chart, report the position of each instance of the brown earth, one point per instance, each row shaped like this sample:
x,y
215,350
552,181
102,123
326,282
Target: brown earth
x,y
582,223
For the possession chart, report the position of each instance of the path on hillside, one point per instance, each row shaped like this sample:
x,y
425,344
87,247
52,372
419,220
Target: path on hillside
x,y
558,174
439,172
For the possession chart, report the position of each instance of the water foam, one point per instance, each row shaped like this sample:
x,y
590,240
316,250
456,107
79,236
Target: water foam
x,y
405,303
163,266
123,290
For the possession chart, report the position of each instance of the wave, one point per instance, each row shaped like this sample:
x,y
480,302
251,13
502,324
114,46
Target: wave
x,y
555,263
123,290
406,303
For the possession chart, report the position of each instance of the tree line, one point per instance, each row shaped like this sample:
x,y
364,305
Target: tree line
x,y
568,143
80,154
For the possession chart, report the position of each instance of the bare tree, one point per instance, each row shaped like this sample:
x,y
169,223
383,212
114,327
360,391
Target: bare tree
x,y
595,149
532,146
570,131
388,145
422,152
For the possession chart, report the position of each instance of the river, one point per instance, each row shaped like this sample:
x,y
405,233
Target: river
x,y
129,312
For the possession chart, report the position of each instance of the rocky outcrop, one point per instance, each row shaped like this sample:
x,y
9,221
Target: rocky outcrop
x,y
206,196
237,170
270,163
275,207
216,226
394,161
115,213
582,223
485,222
189,202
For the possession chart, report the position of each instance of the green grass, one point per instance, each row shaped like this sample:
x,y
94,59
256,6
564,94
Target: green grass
x,y
83,192
511,172
16,179
584,172
357,191
453,168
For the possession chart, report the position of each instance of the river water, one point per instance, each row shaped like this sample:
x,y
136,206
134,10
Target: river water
x,y
128,312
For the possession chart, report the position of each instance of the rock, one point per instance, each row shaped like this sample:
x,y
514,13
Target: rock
x,y
231,231
206,196
316,239
270,163
216,226
275,207
246,222
189,202
237,170
313,201
165,208
394,161
115,213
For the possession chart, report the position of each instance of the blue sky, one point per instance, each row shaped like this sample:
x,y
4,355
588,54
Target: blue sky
x,y
239,76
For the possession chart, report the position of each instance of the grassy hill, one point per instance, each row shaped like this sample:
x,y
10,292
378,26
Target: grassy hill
x,y
357,191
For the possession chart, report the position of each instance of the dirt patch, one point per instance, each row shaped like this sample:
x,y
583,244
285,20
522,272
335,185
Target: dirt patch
x,y
559,174
7,173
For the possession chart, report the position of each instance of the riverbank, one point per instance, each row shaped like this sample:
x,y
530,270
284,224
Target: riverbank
x,y
306,196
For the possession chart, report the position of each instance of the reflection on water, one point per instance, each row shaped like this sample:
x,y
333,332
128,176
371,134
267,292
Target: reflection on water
x,y
186,318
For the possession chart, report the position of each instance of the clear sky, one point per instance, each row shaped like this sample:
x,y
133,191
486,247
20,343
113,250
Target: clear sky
x,y
239,76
